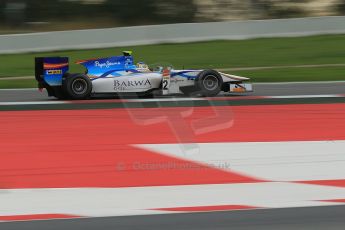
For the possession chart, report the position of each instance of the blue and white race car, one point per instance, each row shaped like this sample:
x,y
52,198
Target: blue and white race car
x,y
119,75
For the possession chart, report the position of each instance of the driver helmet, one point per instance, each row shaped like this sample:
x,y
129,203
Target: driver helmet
x,y
142,65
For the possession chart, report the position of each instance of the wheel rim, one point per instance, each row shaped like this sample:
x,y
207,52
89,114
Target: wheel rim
x,y
210,82
79,86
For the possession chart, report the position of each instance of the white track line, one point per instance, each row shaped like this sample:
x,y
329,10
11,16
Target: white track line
x,y
17,78
96,202
305,96
272,161
34,103
20,89
172,99
297,82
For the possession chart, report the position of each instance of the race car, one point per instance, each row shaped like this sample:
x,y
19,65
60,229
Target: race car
x,y
119,75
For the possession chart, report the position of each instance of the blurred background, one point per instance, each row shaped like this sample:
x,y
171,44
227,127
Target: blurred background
x,y
18,16
310,48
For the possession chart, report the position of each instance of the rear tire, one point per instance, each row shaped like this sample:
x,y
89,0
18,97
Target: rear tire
x,y
59,93
77,86
209,83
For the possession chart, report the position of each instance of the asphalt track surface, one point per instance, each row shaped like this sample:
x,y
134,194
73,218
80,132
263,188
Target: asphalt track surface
x,y
262,89
329,217
315,218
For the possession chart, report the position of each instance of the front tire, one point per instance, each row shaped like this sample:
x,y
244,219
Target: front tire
x,y
77,86
209,83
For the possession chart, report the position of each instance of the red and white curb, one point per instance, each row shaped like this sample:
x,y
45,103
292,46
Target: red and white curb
x,y
53,165
98,202
268,161
285,172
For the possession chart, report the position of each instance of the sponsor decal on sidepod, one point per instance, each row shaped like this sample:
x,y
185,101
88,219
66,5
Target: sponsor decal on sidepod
x,y
123,85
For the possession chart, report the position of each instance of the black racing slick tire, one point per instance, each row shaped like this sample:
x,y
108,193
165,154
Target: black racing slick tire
x,y
209,83
77,86
59,93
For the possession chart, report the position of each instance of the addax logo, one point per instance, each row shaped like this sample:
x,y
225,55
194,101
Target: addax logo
x,y
106,64
137,84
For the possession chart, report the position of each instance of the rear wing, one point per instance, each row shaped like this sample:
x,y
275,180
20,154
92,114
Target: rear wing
x,y
49,70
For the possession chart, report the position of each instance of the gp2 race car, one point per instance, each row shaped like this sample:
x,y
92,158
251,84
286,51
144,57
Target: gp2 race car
x,y
119,75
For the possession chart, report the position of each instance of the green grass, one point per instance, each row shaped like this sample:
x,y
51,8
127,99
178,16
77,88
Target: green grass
x,y
328,49
295,74
20,83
